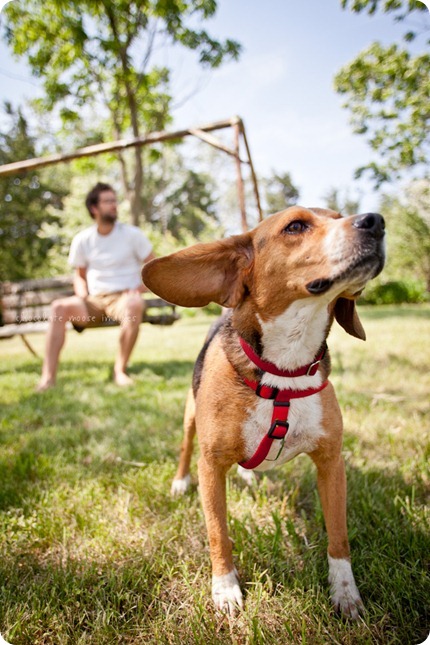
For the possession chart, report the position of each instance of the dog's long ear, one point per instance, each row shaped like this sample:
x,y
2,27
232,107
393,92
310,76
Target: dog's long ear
x,y
347,317
213,272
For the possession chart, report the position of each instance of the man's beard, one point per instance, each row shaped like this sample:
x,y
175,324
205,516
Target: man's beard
x,y
108,218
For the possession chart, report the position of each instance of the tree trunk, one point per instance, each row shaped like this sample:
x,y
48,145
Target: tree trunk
x,y
136,199
136,191
122,162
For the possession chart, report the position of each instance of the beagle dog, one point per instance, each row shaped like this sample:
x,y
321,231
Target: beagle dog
x,y
260,393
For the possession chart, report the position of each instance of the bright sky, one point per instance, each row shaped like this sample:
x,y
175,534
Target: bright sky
x,y
282,87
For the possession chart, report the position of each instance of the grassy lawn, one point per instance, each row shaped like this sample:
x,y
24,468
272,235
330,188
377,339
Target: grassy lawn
x,y
94,550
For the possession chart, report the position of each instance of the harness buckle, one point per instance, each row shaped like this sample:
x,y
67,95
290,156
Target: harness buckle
x,y
281,438
273,394
317,362
311,367
277,423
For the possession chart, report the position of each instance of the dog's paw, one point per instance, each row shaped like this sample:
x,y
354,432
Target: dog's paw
x,y
344,593
2,641
248,476
180,486
226,593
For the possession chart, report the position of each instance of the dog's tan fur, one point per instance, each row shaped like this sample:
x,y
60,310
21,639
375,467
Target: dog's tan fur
x,y
264,276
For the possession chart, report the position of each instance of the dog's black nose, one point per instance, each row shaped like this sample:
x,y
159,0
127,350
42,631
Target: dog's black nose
x,y
373,223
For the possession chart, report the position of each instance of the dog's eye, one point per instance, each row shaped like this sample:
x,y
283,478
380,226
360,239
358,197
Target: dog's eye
x,y
296,227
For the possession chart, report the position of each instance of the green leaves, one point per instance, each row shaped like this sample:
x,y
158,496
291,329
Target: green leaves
x,y
280,192
211,52
387,91
408,234
97,55
100,51
24,202
402,8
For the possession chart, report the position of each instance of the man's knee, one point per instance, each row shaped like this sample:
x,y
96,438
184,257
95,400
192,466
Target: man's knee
x,y
58,311
133,309
64,309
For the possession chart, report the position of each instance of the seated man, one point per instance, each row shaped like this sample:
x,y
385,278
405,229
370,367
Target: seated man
x,y
107,258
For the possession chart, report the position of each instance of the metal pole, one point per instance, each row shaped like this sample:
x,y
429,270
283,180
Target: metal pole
x,y
101,148
253,175
240,184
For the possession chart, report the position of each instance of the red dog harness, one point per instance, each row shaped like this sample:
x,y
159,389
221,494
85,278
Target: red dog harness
x,y
281,401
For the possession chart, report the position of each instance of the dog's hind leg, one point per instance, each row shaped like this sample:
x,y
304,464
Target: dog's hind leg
x,y
182,480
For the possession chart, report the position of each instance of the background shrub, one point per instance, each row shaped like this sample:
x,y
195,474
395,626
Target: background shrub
x,y
394,292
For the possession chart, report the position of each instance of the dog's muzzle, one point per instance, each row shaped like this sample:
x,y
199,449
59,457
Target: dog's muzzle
x,y
319,286
367,257
371,245
372,223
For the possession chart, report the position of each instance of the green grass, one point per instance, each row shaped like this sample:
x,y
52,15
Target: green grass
x,y
94,550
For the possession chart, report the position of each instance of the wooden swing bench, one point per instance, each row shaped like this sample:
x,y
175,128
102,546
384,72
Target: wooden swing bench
x,y
25,307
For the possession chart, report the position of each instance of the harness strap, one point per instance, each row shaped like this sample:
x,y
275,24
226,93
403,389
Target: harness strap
x,y
279,424
266,366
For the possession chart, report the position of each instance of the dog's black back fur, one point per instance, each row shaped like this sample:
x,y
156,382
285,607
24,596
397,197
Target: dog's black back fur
x,y
213,331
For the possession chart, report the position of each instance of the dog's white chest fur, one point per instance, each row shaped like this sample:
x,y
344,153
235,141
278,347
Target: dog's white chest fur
x,y
306,323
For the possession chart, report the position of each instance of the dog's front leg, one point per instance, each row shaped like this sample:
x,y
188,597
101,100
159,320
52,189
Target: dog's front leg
x,y
332,489
226,592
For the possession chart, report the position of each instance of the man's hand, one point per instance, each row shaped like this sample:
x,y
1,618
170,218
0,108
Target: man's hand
x,y
80,285
143,288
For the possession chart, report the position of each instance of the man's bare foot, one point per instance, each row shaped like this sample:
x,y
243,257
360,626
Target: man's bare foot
x,y
122,379
44,385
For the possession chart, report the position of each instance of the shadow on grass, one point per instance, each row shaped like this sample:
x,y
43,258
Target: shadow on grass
x,y
121,594
86,425
167,369
52,600
63,436
162,368
390,551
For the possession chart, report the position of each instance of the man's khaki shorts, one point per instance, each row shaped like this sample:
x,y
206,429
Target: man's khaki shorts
x,y
104,307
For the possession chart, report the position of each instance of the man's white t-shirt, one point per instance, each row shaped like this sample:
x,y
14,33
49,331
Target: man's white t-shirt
x,y
114,261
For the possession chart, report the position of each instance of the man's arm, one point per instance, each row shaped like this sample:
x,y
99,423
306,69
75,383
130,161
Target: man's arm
x,y
143,288
80,285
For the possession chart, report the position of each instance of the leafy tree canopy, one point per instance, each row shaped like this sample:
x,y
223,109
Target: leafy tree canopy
x,y
24,199
180,200
401,9
280,192
342,202
191,207
99,53
408,224
387,91
100,49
